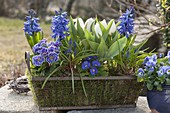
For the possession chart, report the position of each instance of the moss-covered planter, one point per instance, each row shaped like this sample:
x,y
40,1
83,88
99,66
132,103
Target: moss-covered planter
x,y
102,92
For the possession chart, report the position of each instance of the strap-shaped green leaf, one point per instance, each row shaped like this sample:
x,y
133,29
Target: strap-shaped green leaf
x,y
114,48
93,45
89,36
73,31
80,31
102,48
30,40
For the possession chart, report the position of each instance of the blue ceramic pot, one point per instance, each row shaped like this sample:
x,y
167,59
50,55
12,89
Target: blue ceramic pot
x,y
160,100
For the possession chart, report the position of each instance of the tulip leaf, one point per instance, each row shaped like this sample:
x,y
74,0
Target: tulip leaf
x,y
116,47
80,30
89,36
93,45
73,31
102,48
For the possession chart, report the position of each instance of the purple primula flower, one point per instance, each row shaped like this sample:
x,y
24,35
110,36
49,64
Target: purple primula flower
x,y
161,72
93,71
31,25
150,61
151,69
168,70
37,48
51,49
126,26
85,65
60,25
89,58
52,57
43,43
44,52
38,60
96,63
141,72
160,55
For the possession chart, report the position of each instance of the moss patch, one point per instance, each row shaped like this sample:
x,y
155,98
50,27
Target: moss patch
x,y
99,92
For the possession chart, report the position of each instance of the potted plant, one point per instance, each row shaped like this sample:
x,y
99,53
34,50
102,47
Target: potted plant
x,y
156,75
88,65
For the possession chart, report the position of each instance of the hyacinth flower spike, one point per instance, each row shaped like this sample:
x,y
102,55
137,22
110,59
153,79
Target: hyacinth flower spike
x,y
32,28
59,25
126,26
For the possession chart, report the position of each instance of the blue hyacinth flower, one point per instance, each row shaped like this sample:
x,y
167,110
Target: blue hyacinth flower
x,y
38,60
52,57
93,71
86,65
126,26
60,25
31,25
96,63
141,72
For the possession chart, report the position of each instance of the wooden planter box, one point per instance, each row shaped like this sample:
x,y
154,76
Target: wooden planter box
x,y
102,92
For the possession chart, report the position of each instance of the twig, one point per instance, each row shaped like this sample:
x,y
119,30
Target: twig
x,y
158,29
99,14
109,5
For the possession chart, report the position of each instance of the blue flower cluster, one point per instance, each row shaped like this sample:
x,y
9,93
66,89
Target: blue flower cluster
x,y
59,25
46,52
31,25
151,65
126,25
91,63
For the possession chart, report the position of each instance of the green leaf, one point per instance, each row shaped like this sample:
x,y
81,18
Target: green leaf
x,y
73,30
57,69
114,48
140,79
30,40
156,83
93,45
149,86
109,25
80,31
159,87
89,36
168,81
36,37
85,43
78,59
102,48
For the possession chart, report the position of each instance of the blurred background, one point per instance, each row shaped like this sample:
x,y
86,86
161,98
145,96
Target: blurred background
x,y
13,43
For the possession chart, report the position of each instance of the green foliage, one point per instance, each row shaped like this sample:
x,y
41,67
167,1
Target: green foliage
x,y
155,75
164,12
32,40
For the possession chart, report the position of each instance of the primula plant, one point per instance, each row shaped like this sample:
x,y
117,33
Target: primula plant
x,y
91,48
155,71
